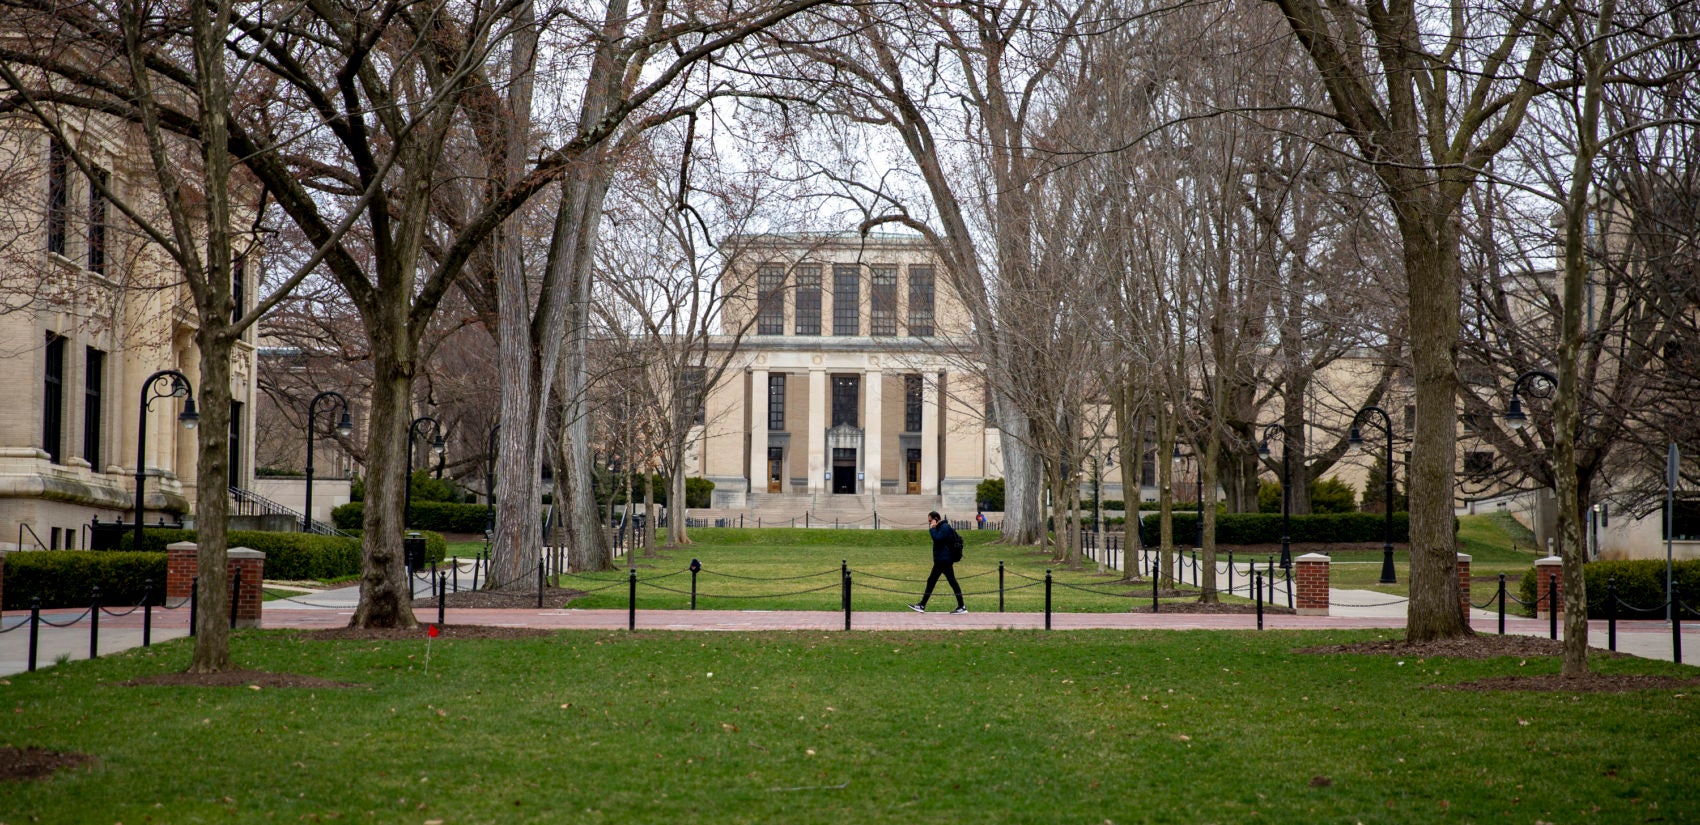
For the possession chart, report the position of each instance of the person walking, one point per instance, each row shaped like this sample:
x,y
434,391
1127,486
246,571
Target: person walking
x,y
946,552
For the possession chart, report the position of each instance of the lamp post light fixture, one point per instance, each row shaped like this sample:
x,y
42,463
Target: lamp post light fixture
x,y
1356,439
343,427
177,388
1514,415
436,449
1286,489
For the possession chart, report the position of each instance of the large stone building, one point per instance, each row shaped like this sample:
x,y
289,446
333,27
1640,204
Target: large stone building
x,y
853,379
88,311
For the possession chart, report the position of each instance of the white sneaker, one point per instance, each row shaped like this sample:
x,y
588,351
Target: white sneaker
x,y
959,611
918,608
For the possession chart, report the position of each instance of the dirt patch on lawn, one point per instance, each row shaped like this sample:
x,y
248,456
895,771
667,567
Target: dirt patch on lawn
x,y
23,764
1593,683
1481,646
238,678
554,598
1202,608
419,634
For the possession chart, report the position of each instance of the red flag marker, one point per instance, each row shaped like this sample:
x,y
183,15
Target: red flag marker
x,y
432,632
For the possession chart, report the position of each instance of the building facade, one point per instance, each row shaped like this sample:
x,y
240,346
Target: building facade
x,y
88,311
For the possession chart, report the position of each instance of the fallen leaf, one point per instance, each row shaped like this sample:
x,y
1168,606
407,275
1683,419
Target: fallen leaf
x,y
1320,781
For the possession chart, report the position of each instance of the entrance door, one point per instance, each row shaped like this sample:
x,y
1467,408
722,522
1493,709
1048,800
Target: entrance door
x,y
775,469
844,470
912,471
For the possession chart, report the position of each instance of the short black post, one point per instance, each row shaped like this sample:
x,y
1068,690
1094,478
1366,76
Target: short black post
x,y
35,627
696,567
631,601
442,595
1047,600
456,575
236,596
1195,568
194,604
1230,572
477,561
1000,585
1552,606
539,582
1288,575
1611,614
1502,604
94,625
1257,585
843,593
1271,579
1154,572
147,613
846,601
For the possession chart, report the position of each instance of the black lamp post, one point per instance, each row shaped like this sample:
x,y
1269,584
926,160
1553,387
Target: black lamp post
x,y
490,481
1286,489
1514,415
178,388
436,448
343,428
1356,439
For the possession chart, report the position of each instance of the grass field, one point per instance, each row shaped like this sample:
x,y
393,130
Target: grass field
x,y
867,728
787,569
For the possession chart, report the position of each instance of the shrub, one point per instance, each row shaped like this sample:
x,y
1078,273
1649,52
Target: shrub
x,y
1639,584
66,578
436,547
699,492
988,495
288,555
1330,495
1265,528
1177,505
440,516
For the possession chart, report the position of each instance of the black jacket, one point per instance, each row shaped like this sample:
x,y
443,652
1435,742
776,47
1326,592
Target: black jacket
x,y
942,535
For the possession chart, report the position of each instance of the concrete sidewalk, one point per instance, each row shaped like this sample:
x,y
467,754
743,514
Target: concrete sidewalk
x,y
1352,609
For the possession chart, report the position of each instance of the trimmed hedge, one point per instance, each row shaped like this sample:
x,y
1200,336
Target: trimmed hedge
x,y
291,556
66,578
1640,584
1263,528
439,516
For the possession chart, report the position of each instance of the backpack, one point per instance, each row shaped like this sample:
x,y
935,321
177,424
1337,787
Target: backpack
x,y
955,546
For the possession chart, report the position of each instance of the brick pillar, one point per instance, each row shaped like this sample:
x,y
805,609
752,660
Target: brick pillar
x,y
180,567
1310,575
1464,585
252,563
1545,570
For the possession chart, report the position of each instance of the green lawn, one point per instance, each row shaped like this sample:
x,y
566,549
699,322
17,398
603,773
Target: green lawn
x,y
866,728
1495,542
786,569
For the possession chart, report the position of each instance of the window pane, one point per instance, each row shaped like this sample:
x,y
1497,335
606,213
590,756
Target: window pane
x,y
883,298
846,299
846,397
770,312
58,196
53,399
912,403
921,300
776,402
94,377
808,299
97,222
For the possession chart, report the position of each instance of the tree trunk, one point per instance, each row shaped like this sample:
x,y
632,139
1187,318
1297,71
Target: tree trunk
x,y
212,504
678,533
1023,522
1165,497
1207,518
386,595
649,513
1430,251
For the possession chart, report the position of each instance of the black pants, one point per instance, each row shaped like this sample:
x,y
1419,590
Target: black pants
x,y
948,569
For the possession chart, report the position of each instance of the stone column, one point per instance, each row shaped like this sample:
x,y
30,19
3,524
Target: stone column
x,y
1464,585
815,443
929,434
872,381
252,564
1310,575
758,430
1548,572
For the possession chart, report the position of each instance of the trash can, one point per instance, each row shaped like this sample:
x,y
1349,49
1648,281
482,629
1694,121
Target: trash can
x,y
413,551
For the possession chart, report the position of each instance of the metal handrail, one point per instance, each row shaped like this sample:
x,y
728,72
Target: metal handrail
x,y
267,507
